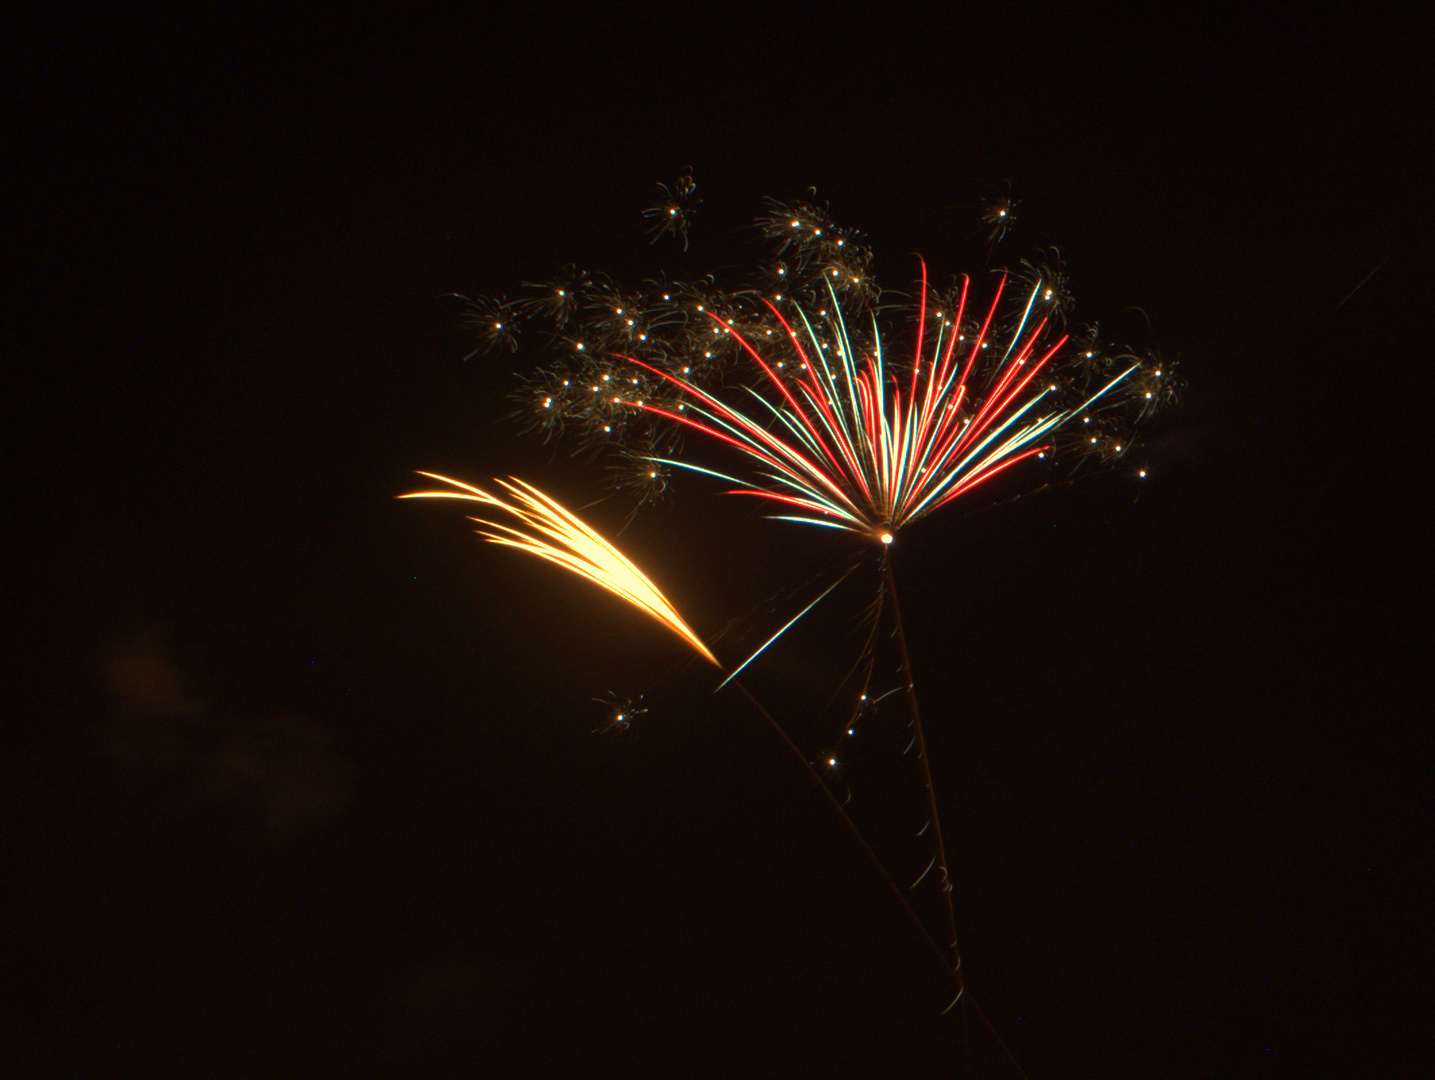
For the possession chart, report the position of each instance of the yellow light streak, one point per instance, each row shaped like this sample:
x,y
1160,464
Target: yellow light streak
x,y
551,532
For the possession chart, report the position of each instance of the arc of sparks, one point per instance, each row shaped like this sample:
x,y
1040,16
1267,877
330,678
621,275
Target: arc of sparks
x,y
551,532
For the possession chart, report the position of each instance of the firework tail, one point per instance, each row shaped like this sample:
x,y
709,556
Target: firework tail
x,y
854,832
965,996
956,959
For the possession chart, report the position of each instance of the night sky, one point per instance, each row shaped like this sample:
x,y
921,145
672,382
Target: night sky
x,y
301,780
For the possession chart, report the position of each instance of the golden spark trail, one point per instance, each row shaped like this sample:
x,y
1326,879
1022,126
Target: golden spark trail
x,y
558,535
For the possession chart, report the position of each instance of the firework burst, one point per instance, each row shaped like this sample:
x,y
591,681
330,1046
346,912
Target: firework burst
x,y
829,425
836,426
851,444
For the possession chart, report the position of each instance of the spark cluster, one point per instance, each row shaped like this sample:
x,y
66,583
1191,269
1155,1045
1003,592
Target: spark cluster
x,y
673,213
997,214
619,712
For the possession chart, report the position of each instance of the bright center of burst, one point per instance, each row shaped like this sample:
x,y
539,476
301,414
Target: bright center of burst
x,y
885,537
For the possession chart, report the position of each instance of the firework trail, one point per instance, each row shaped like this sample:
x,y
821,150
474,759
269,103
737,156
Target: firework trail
x,y
556,534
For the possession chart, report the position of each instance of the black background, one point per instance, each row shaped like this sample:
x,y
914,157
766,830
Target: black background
x,y
303,781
